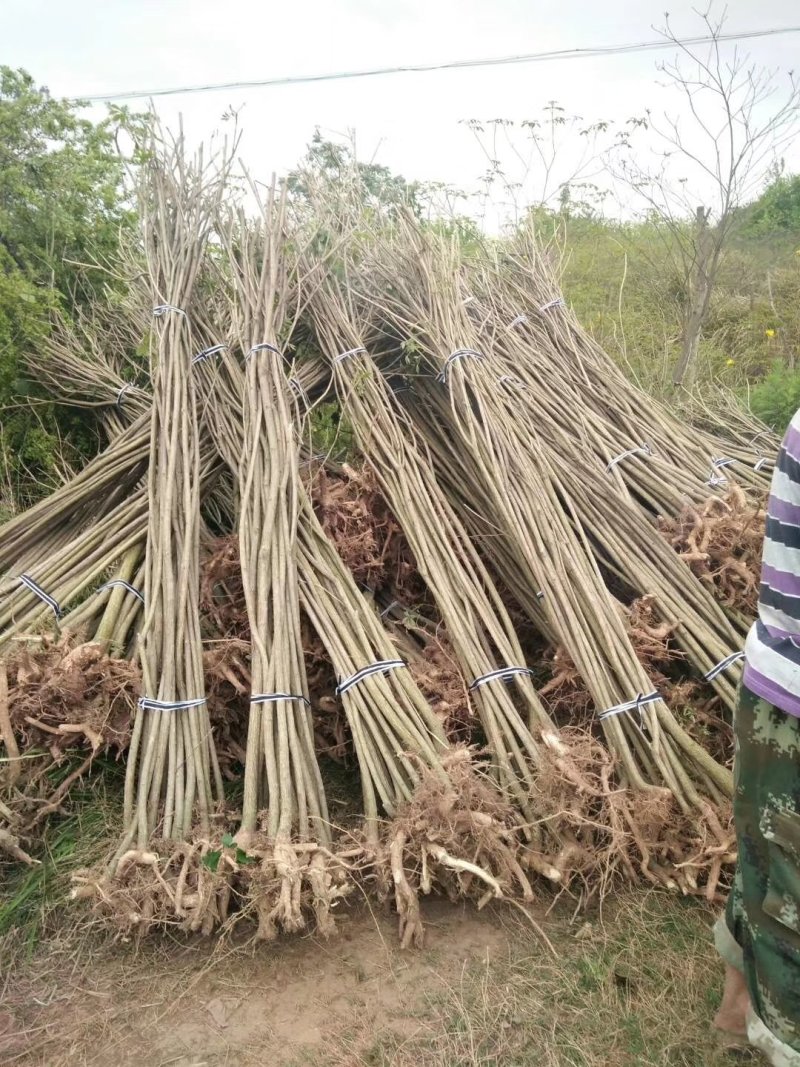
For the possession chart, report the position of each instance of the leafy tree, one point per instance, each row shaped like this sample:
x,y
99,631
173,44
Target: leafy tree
x,y
331,167
777,209
61,209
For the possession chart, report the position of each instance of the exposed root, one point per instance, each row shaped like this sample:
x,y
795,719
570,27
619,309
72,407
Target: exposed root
x,y
459,837
64,701
9,844
187,885
226,670
565,693
615,834
227,662
289,886
369,539
70,700
434,668
222,604
721,541
67,694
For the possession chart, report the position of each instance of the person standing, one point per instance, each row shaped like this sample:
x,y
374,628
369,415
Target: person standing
x,y
759,935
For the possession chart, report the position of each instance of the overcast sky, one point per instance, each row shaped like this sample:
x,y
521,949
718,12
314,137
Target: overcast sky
x,y
410,122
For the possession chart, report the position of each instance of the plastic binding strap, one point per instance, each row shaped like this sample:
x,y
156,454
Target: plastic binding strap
x,y
122,584
207,353
273,698
637,704
723,665
642,450
265,346
150,704
381,667
350,352
34,587
502,674
460,353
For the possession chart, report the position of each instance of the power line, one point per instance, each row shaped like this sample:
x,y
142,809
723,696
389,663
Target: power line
x,y
457,64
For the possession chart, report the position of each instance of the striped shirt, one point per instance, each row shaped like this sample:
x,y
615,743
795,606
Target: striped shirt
x,y
772,652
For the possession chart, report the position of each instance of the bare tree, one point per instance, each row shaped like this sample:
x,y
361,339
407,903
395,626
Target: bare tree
x,y
712,157
539,162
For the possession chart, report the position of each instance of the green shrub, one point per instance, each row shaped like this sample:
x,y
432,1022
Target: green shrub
x,y
331,433
776,398
62,208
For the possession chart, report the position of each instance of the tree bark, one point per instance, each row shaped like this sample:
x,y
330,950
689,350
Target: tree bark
x,y
699,296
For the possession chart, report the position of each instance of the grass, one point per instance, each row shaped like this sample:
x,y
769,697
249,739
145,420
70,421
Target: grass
x,y
635,985
635,988
34,900
638,989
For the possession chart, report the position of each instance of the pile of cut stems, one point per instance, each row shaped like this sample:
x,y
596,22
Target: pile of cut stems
x,y
281,771
523,485
173,786
477,623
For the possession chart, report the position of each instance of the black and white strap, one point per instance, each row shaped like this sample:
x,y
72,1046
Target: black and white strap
x,y
760,464
120,583
265,346
559,302
520,320
717,465
642,450
636,704
207,353
381,667
723,665
150,704
165,309
350,352
34,587
121,394
273,698
509,379
502,674
460,353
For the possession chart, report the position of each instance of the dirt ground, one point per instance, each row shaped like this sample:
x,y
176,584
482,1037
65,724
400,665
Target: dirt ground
x,y
194,1006
484,990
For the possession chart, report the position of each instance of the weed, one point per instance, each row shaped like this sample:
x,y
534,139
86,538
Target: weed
x,y
36,899
637,988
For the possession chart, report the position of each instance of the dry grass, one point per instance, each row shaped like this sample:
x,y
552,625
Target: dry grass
x,y
638,988
635,985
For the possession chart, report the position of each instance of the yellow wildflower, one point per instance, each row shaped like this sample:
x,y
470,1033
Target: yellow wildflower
x,y
769,333
729,362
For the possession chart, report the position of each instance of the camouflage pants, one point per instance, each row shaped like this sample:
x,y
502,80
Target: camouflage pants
x,y
760,934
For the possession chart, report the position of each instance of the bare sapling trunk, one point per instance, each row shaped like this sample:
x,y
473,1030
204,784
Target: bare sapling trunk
x,y
698,298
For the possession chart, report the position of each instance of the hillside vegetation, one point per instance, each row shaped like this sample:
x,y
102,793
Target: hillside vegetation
x,y
64,213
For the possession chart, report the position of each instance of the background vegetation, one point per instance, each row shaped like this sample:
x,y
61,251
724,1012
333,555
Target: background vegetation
x,y
63,212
